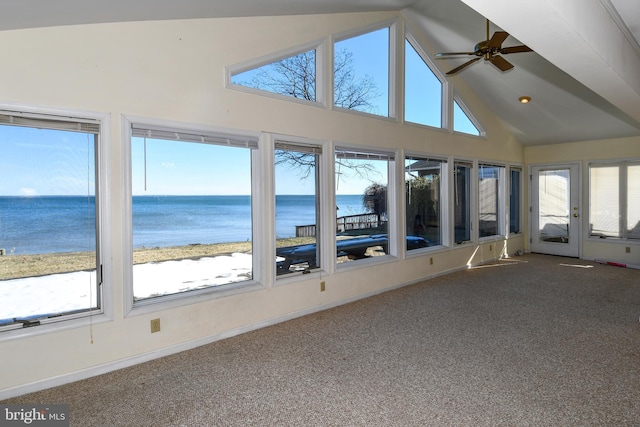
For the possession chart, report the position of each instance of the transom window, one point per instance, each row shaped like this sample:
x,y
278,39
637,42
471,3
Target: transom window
x,y
422,90
293,76
361,73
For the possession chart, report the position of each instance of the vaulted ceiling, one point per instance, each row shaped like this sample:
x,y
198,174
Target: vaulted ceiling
x,y
583,76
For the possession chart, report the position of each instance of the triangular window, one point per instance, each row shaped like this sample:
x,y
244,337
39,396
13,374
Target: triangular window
x,y
293,76
422,90
462,121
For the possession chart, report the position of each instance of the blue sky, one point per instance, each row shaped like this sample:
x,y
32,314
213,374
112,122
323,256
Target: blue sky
x,y
36,162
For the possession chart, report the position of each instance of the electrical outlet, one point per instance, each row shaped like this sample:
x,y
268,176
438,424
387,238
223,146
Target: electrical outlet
x,y
627,249
322,287
155,325
490,248
431,261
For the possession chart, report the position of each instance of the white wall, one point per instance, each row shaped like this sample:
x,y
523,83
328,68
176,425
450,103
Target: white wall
x,y
174,70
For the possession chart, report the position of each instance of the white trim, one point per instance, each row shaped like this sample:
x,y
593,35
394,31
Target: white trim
x,y
320,53
103,234
131,308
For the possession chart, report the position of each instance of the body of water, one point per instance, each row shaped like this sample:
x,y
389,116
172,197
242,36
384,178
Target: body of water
x,y
45,224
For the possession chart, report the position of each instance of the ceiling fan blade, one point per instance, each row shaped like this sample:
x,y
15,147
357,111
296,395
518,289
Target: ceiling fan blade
x,y
497,39
501,63
463,66
440,55
515,49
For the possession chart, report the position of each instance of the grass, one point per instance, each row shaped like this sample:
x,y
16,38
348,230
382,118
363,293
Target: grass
x,y
21,266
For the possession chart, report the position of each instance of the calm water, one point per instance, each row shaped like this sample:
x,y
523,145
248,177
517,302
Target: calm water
x,y
44,224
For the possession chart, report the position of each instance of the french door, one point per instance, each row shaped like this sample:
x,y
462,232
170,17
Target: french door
x,y
555,209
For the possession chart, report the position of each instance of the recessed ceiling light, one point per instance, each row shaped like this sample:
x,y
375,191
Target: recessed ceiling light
x,y
524,99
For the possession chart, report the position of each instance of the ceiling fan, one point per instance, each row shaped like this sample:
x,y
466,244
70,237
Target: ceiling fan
x,y
489,49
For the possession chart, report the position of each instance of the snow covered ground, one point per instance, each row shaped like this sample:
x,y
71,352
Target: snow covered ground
x,y
57,293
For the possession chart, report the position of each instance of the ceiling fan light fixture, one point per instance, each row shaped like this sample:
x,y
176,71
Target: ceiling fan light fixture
x,y
524,99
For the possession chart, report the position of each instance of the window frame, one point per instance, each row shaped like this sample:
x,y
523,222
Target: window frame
x,y
104,268
501,202
258,218
457,100
444,100
519,203
319,149
320,47
444,201
472,197
623,202
392,88
392,206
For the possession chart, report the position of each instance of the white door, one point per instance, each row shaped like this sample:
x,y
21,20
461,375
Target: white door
x,y
555,210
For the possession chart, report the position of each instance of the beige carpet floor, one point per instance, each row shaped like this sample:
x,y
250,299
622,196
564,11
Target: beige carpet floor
x,y
531,341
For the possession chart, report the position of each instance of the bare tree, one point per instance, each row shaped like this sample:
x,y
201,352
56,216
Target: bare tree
x,y
296,76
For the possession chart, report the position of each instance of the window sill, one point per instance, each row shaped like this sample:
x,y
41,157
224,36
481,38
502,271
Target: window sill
x,y
152,305
52,326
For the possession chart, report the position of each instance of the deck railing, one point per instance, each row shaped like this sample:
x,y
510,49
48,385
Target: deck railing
x,y
343,223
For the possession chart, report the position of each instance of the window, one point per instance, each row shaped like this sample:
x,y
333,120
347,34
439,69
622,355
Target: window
x,y
515,201
462,121
362,208
422,90
423,186
297,214
614,200
462,201
293,76
49,253
490,212
191,210
361,73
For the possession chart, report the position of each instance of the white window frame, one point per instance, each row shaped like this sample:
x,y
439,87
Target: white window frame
x,y
444,99
392,207
259,221
473,201
103,224
472,118
520,205
323,200
321,79
623,200
445,167
392,89
502,202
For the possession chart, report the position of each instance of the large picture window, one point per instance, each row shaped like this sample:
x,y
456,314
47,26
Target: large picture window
x,y
614,200
191,210
362,207
423,195
49,257
297,213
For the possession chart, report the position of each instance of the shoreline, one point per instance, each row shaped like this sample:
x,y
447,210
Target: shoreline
x,y
22,266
